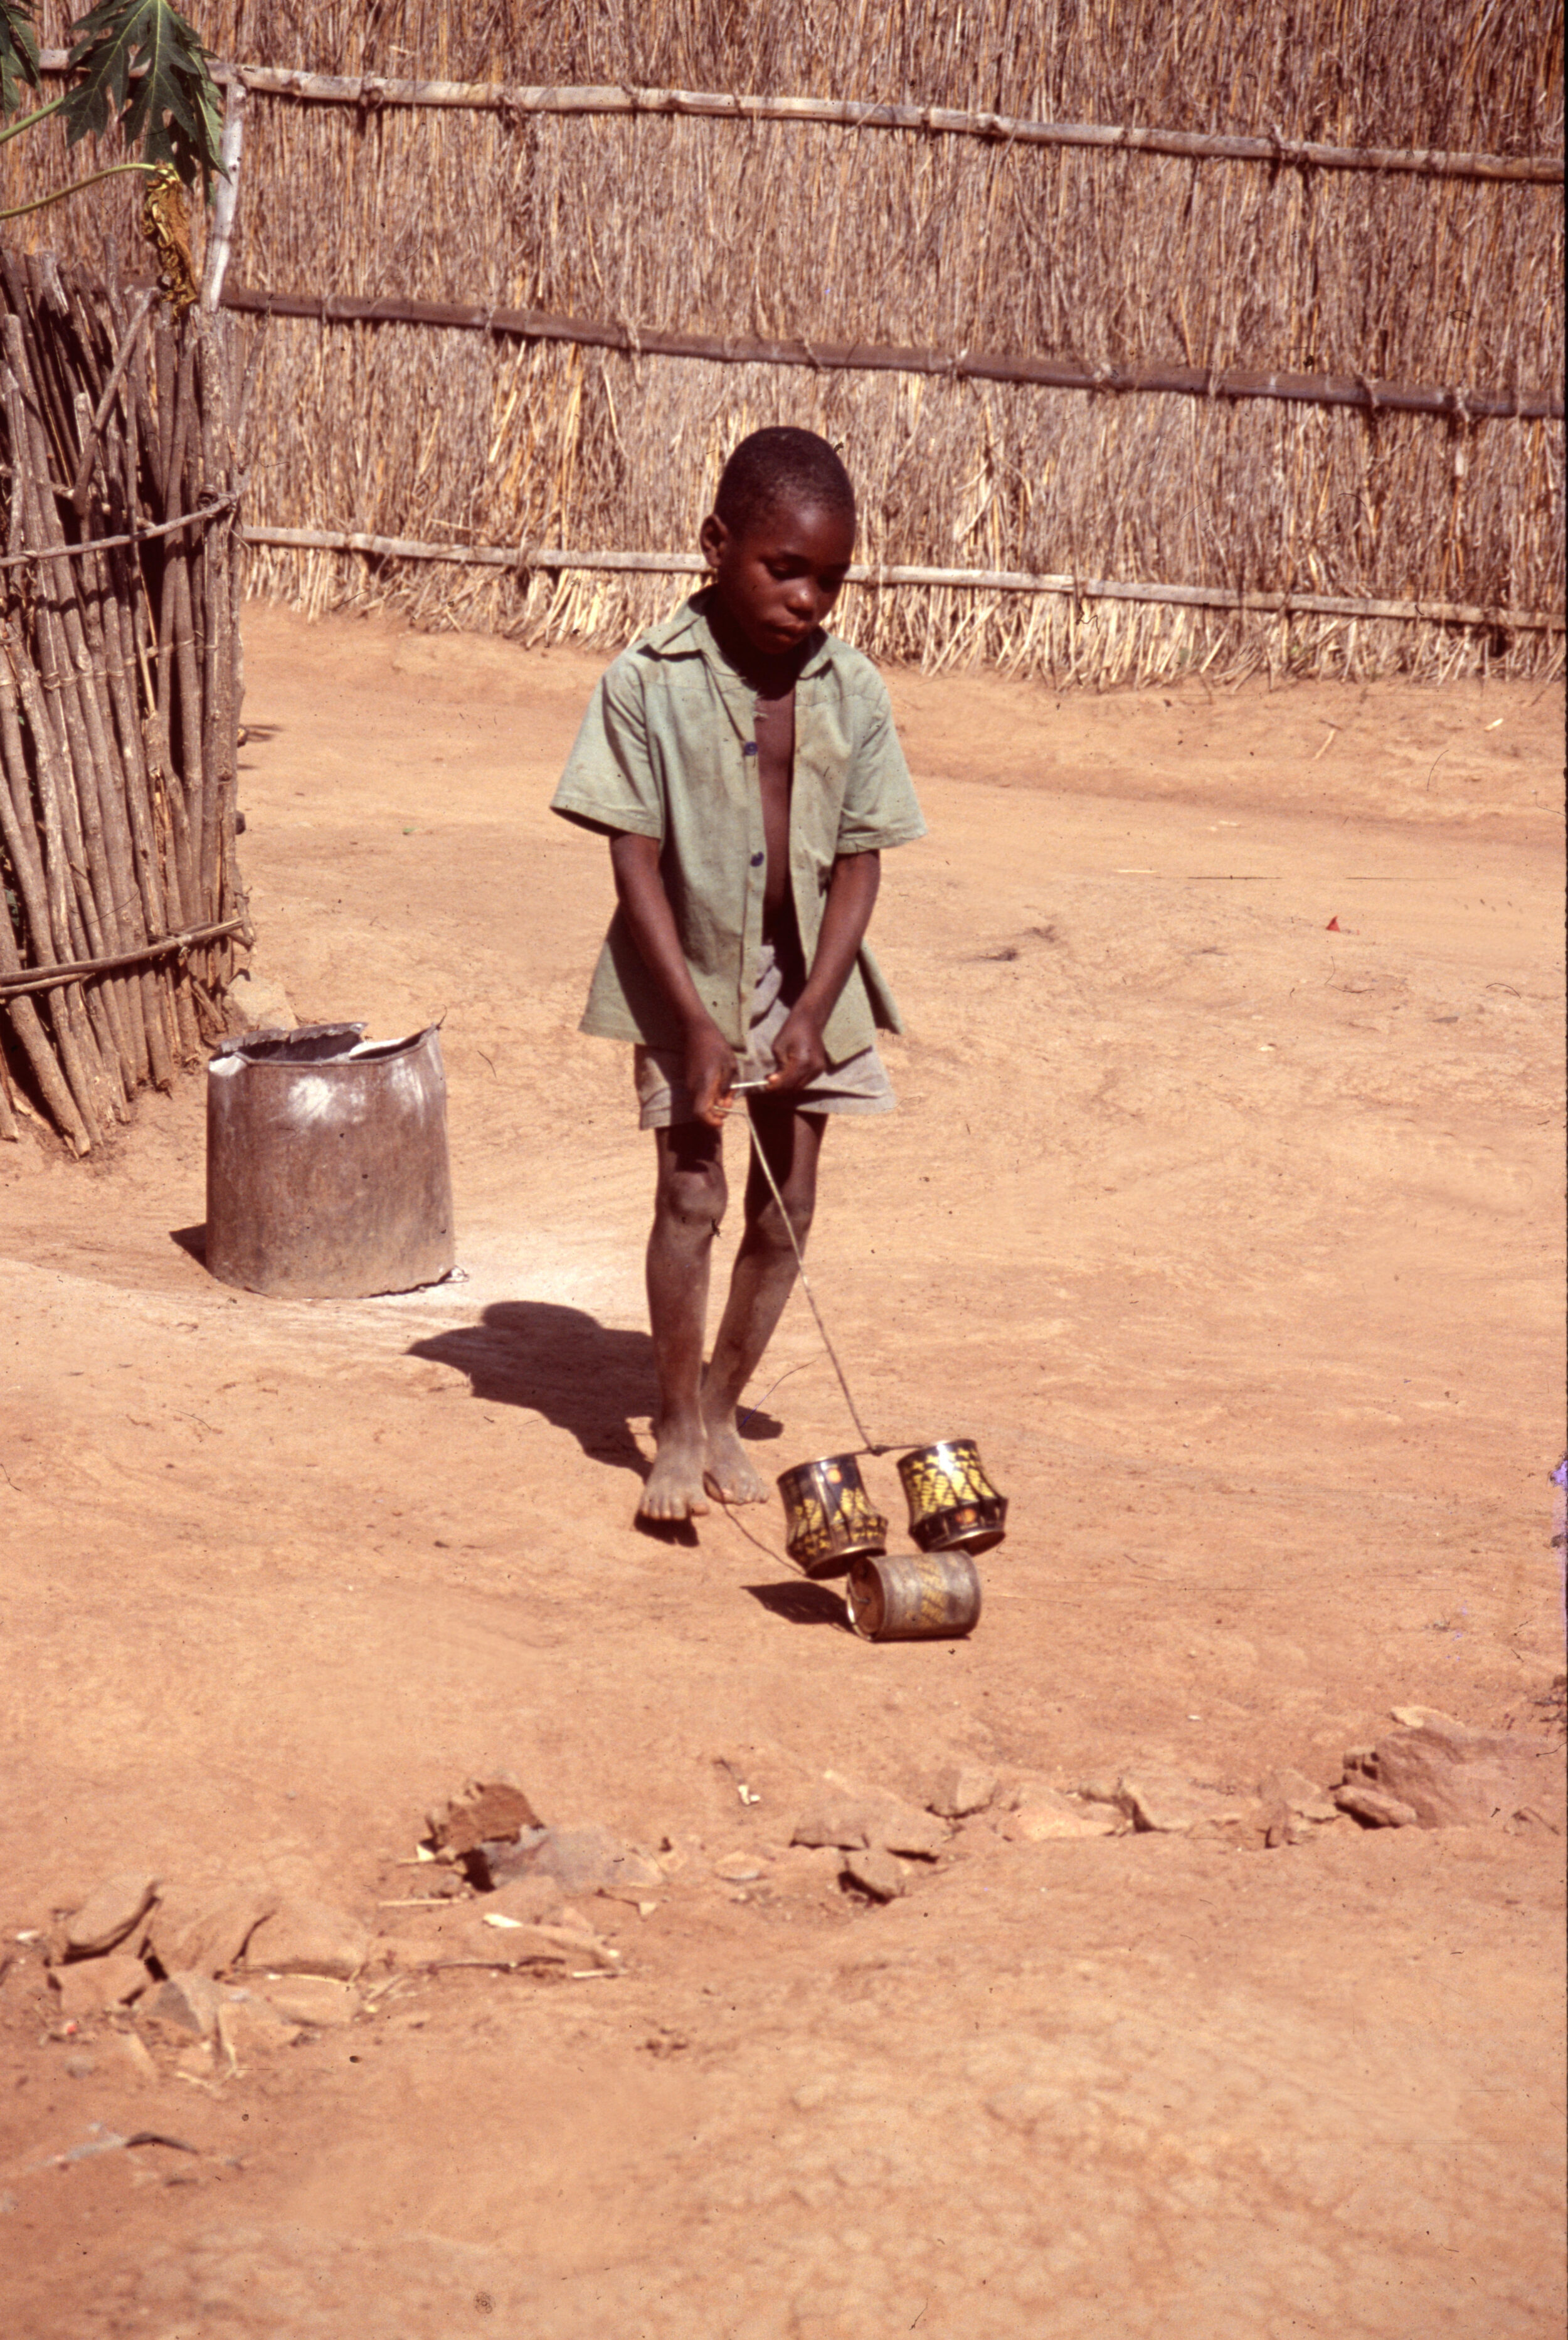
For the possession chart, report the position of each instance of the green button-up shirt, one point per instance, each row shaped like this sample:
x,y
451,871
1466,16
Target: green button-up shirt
x,y
668,750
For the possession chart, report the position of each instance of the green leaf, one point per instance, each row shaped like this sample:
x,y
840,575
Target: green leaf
x,y
141,61
18,52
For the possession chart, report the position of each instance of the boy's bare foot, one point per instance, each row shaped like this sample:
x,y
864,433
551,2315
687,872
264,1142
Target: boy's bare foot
x,y
675,1489
730,1471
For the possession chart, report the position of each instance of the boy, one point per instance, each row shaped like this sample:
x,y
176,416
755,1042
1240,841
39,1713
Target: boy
x,y
744,767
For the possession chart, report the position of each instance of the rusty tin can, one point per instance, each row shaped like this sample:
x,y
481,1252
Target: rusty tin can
x,y
953,1506
928,1596
829,1515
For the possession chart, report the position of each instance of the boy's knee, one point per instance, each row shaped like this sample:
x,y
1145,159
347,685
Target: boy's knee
x,y
692,1195
776,1226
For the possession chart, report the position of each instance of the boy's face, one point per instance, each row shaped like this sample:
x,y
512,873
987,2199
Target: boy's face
x,y
777,579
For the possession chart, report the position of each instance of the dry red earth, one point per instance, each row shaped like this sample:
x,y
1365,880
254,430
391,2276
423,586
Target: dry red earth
x,y
1233,1239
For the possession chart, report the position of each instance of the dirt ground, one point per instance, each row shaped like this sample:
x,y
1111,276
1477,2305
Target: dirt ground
x,y
1232,1236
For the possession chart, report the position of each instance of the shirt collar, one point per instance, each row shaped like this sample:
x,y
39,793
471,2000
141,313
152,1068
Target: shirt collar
x,y
687,632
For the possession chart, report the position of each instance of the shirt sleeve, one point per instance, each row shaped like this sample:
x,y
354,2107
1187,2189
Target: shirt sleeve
x,y
880,809
611,783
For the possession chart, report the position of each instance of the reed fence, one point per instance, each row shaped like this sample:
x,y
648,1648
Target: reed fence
x,y
1250,318
119,696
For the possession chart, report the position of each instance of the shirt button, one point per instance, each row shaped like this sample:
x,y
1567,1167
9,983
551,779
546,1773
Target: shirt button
x,y
757,861
749,749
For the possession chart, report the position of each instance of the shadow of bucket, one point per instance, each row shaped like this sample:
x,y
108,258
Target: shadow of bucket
x,y
327,1170
829,1515
953,1506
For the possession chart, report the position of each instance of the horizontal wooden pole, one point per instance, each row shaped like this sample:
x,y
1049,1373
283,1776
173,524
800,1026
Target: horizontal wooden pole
x,y
368,91
50,979
524,558
872,357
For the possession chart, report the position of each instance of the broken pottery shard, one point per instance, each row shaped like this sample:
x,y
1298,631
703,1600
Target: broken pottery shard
x,y
1364,1802
877,1873
193,1932
1041,1816
109,1913
487,1810
1298,1794
1455,1778
580,1860
94,1985
1163,1803
312,1999
960,1789
190,2002
307,1937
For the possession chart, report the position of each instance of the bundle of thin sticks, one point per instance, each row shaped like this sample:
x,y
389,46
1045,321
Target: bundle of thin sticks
x,y
119,695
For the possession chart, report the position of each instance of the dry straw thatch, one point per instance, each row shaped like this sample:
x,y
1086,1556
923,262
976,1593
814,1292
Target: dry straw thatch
x,y
788,230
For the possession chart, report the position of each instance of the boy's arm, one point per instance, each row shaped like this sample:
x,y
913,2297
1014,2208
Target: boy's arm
x,y
846,914
709,1059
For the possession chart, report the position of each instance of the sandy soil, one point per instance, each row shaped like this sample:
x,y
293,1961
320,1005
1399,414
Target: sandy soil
x,y
1233,1240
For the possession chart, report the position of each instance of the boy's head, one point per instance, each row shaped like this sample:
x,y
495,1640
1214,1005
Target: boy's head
x,y
779,538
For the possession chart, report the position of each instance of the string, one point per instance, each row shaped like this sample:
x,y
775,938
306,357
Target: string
x,y
869,1445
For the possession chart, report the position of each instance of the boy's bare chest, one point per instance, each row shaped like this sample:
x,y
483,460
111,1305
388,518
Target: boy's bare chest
x,y
775,746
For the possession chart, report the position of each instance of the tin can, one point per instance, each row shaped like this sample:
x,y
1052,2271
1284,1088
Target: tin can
x,y
930,1596
953,1506
829,1515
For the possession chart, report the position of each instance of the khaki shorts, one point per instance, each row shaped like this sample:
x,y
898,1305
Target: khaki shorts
x,y
859,1084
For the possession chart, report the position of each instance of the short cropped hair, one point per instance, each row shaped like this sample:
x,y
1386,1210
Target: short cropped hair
x,y
782,466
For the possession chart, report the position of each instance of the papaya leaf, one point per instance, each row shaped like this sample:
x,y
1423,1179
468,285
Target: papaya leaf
x,y
141,61
19,53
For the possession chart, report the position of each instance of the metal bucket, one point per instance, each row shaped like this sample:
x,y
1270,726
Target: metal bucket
x,y
327,1171
932,1596
829,1515
953,1505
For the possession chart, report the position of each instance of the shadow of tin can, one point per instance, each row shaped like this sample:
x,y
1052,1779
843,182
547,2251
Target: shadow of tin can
x,y
953,1506
931,1596
829,1515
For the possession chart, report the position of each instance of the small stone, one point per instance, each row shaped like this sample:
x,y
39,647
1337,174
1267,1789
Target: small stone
x,y
249,2025
842,1820
580,1860
1457,1778
81,2067
316,1999
877,1873
132,2052
1163,1803
94,1985
960,1789
851,1820
531,1901
307,1937
1104,1789
1298,1794
1365,1802
109,1913
1041,1816
738,1869
190,2002
195,1932
493,1810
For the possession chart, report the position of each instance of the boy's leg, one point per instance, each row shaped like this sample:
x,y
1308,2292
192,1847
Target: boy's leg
x,y
763,1277
688,1203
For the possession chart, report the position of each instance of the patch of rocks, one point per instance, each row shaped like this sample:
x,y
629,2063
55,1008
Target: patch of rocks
x,y
1432,1771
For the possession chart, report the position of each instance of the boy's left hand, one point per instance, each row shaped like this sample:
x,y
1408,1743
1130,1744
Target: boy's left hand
x,y
799,1053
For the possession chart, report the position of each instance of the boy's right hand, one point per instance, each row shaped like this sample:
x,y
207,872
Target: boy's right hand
x,y
710,1070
